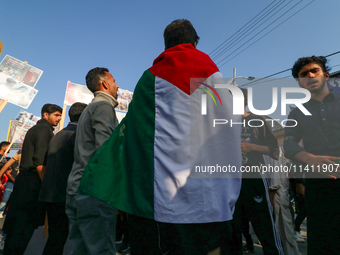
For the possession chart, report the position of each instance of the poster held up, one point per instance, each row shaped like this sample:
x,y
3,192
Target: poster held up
x,y
20,71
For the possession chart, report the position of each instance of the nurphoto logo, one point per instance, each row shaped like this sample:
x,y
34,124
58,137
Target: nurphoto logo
x,y
204,97
238,100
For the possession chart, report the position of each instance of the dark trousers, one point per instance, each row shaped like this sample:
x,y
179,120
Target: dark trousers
x,y
302,214
18,239
25,213
151,237
300,205
323,222
57,229
122,228
92,225
246,234
253,204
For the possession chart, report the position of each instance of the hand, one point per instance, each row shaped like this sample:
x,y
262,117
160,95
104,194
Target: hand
x,y
272,197
300,192
121,214
324,163
246,146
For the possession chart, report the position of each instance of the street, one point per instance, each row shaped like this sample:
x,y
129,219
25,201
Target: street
x,y
37,243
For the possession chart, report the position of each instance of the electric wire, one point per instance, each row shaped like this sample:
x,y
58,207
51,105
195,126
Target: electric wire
x,y
264,34
211,53
245,33
241,37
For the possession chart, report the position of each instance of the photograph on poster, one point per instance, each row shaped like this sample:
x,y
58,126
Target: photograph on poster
x,y
27,118
15,92
20,71
77,93
13,129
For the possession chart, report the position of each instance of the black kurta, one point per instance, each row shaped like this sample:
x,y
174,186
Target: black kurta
x,y
320,133
25,212
58,166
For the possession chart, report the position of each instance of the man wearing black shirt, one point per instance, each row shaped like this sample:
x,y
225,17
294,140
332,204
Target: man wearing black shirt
x,y
320,134
25,213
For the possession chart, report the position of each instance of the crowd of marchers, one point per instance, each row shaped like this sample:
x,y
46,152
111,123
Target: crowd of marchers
x,y
107,186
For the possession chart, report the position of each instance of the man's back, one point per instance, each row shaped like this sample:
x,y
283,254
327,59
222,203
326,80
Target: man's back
x,y
147,162
35,145
159,146
59,164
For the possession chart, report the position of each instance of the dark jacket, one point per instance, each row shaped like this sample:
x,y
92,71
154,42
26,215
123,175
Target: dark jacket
x,y
58,165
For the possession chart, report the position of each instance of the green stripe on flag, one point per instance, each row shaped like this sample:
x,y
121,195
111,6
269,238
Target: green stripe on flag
x,y
122,171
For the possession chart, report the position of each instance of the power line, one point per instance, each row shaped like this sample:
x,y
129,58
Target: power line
x,y
332,54
266,77
334,66
264,34
244,34
239,29
235,38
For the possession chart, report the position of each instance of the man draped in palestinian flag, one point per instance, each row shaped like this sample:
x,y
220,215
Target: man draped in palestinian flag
x,y
166,164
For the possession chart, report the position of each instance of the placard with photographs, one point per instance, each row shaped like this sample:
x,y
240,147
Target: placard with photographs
x,y
16,93
124,99
13,129
20,71
77,93
27,118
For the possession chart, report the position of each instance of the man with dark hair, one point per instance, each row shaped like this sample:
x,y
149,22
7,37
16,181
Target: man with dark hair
x,y
178,32
320,135
53,188
92,221
301,62
147,162
25,213
253,203
3,147
75,111
49,109
94,76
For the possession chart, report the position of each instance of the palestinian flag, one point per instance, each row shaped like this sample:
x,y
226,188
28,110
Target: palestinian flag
x,y
145,166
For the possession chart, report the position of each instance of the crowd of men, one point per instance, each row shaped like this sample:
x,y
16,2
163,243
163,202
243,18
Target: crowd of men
x,y
69,175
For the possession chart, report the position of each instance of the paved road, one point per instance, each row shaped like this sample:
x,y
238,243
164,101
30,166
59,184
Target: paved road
x,y
302,246
37,243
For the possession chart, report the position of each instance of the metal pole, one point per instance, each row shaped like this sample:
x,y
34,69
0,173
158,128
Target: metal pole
x,y
234,76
